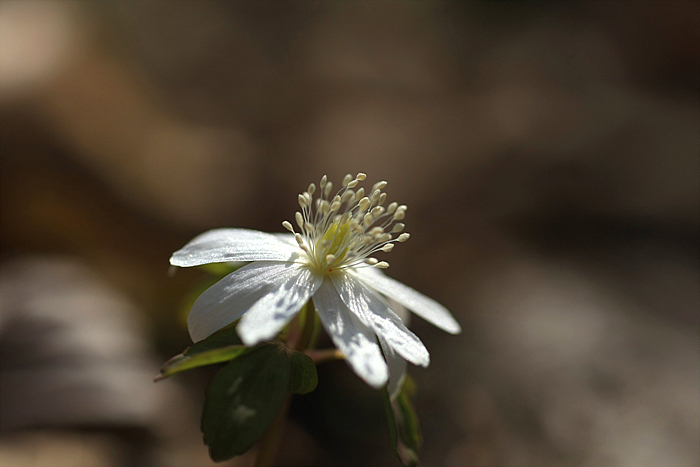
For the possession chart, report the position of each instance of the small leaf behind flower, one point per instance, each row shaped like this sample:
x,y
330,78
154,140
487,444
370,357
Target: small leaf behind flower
x,y
186,361
404,427
222,346
304,375
243,399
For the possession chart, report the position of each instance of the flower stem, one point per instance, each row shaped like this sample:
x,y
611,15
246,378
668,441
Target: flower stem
x,y
325,355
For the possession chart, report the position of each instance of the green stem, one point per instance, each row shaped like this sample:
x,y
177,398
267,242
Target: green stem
x,y
308,330
325,355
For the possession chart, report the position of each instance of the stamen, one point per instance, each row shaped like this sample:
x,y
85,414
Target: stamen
x,y
340,231
364,203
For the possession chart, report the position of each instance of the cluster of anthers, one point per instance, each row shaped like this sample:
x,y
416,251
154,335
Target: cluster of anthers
x,y
343,231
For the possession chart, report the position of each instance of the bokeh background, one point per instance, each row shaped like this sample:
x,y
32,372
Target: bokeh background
x,y
549,155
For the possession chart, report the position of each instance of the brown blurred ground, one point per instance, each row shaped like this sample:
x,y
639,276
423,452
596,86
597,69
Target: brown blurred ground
x,y
548,153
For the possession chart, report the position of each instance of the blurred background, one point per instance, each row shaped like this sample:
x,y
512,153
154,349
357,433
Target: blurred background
x,y
548,153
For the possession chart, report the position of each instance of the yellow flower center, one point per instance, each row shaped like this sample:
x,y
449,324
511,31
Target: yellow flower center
x,y
343,231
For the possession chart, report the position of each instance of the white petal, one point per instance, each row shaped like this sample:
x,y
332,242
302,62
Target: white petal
x,y
425,307
227,300
355,340
397,369
269,315
221,245
400,310
377,314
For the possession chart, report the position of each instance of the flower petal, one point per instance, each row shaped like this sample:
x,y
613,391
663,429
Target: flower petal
x,y
227,300
425,307
355,340
269,315
364,302
397,368
220,245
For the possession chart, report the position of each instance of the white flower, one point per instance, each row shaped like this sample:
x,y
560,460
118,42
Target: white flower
x,y
329,260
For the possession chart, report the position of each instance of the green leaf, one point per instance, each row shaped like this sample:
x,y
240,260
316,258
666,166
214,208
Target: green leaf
x,y
222,338
304,376
184,362
243,399
404,427
222,346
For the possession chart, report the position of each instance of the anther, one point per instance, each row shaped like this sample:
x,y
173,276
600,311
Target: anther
x,y
399,215
360,176
375,195
353,184
324,180
302,201
327,189
379,185
398,227
311,189
392,207
300,219
371,261
368,219
403,237
347,196
364,203
382,265
288,226
360,194
377,211
347,179
299,239
388,247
